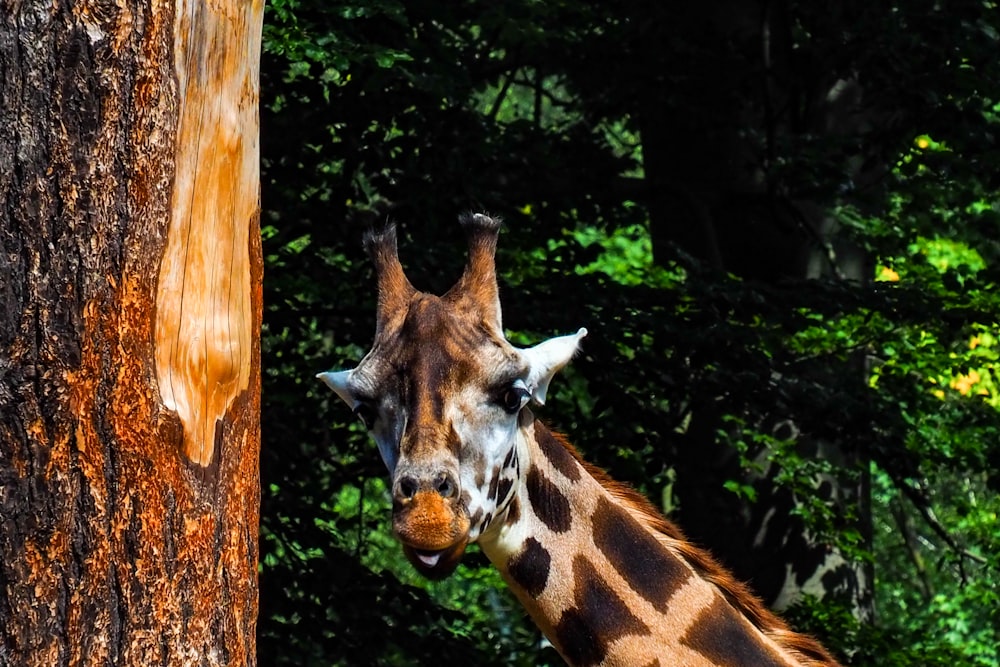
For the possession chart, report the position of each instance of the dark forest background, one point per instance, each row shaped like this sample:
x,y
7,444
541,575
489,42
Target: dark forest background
x,y
779,221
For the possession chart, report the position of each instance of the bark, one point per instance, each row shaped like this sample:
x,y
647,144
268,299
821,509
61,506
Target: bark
x,y
130,274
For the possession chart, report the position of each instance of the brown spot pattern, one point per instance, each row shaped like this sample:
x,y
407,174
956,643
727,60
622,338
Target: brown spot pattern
x,y
513,511
556,453
726,638
529,568
548,502
509,459
599,618
504,489
637,555
494,481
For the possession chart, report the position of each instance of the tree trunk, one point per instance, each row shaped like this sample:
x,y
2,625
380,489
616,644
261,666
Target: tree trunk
x,y
130,274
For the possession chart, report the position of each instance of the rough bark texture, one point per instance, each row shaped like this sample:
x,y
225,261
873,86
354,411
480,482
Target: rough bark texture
x,y
120,543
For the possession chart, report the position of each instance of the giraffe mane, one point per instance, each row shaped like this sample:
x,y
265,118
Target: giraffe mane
x,y
807,650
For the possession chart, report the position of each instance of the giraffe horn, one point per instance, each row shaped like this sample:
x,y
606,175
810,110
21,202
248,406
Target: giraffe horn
x,y
478,284
394,289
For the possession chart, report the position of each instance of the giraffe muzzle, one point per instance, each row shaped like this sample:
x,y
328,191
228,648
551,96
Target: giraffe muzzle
x,y
434,530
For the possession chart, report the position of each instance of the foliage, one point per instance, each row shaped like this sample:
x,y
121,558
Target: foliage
x,y
577,122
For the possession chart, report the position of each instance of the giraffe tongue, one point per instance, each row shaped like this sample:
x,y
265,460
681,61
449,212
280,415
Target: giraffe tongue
x,y
428,558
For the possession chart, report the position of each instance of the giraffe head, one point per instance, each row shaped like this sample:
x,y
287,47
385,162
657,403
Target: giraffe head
x,y
441,392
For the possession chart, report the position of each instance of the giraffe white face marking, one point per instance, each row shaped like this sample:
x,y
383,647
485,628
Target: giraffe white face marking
x,y
441,397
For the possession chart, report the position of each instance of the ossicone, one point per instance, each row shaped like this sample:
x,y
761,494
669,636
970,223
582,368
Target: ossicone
x,y
394,289
477,288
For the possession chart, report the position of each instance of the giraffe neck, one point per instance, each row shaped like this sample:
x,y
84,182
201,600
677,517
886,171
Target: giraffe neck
x,y
610,582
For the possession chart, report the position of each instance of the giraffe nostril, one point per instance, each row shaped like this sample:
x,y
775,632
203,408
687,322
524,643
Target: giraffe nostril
x,y
408,487
445,485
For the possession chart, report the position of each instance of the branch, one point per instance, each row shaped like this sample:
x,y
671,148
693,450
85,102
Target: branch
x,y
801,220
538,98
501,96
919,499
910,542
360,541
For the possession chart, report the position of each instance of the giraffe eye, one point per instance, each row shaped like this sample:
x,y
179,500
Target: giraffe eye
x,y
366,414
514,398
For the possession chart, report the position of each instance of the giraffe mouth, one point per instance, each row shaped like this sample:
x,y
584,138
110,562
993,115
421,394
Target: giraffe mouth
x,y
434,532
436,563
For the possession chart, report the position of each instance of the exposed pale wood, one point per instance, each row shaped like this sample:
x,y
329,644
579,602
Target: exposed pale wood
x,y
203,315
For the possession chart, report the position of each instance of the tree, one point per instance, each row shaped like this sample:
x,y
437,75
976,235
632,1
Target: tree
x,y
130,275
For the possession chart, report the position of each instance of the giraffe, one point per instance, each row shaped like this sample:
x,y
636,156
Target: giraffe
x,y
604,575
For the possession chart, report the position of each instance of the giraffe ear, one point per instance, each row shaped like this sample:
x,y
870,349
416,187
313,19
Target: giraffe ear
x,y
337,380
546,359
